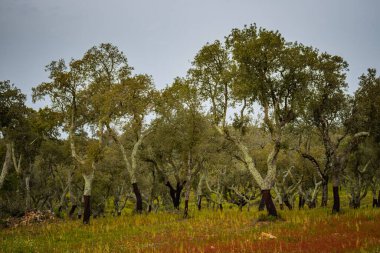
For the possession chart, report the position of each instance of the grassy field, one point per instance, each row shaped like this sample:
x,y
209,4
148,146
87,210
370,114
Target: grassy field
x,y
206,231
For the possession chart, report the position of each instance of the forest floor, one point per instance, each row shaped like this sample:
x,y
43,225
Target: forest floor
x,y
315,230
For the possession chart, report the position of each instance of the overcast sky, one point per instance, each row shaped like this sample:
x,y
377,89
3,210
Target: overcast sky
x,y
161,37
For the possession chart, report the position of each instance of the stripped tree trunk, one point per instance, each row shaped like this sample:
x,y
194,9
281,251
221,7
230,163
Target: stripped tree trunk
x,y
336,205
88,179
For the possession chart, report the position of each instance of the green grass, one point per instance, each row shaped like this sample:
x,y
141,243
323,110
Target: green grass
x,y
205,231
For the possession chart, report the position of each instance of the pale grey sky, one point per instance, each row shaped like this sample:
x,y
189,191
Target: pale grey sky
x,y
161,37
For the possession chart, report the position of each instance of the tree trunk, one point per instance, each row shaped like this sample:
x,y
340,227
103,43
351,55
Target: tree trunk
x,y
87,197
87,209
287,203
269,203
186,210
137,193
336,206
301,202
312,204
199,202
6,164
324,193
374,202
72,210
221,207
27,191
175,194
262,203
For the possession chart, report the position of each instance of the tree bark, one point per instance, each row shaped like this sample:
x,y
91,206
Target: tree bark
x,y
287,203
262,203
6,164
199,202
87,197
301,202
137,193
324,193
269,203
175,194
374,202
27,191
87,209
336,206
72,210
186,211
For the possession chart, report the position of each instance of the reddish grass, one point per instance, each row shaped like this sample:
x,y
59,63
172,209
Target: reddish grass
x,y
337,234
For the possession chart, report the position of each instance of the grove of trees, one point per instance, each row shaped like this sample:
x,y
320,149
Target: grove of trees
x,y
257,122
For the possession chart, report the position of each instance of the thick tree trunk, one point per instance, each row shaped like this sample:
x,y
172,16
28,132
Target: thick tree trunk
x,y
137,193
336,206
87,209
269,203
6,164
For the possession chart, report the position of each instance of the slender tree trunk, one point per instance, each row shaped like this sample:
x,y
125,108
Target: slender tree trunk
x,y
137,193
287,203
27,191
269,203
301,202
72,210
6,164
87,197
324,193
187,197
199,202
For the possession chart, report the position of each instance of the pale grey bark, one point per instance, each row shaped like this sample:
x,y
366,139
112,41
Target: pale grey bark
x,y
6,164
16,162
88,179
